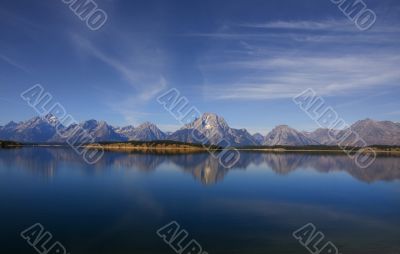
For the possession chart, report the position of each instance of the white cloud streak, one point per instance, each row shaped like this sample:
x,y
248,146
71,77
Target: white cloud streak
x,y
302,25
287,76
14,63
262,70
146,85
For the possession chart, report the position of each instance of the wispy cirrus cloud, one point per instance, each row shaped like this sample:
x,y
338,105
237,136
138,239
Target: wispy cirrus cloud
x,y
340,31
145,85
286,76
303,54
132,74
14,63
328,25
337,25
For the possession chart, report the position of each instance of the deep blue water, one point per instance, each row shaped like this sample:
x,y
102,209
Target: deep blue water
x,y
118,204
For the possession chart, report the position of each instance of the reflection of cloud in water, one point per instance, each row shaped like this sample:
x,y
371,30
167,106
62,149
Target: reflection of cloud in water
x,y
203,167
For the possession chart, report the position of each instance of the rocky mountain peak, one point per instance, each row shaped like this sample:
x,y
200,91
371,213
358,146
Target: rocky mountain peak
x,y
259,138
209,121
374,132
11,124
51,119
36,129
214,129
147,125
90,124
124,129
283,135
147,131
35,121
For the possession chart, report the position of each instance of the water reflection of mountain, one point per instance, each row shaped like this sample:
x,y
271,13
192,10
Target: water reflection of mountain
x,y
204,167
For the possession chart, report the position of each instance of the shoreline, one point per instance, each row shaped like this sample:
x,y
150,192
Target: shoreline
x,y
185,148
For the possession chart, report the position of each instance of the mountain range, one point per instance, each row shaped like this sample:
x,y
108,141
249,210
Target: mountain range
x,y
209,127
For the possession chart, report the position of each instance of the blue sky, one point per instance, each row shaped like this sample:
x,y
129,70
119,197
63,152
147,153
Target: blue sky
x,y
243,60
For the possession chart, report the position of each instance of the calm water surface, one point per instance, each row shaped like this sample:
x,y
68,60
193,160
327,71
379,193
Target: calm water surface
x,y
117,205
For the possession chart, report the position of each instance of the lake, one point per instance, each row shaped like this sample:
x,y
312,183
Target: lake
x,y
118,204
